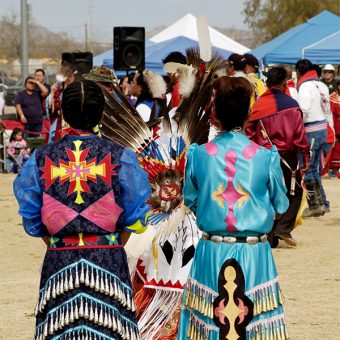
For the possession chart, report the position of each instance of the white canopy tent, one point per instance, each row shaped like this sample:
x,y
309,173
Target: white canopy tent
x,y
186,27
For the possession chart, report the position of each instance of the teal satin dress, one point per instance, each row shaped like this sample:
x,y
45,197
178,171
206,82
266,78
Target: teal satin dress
x,y
234,187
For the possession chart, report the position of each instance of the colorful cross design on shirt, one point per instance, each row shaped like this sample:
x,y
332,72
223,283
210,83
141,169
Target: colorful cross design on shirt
x,y
230,194
78,171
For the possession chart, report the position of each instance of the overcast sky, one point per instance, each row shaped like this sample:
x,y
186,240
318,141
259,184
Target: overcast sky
x,y
102,15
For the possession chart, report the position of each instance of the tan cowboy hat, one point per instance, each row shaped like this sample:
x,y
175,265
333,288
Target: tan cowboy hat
x,y
101,74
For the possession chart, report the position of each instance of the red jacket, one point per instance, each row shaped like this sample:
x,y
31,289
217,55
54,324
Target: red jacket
x,y
335,107
282,119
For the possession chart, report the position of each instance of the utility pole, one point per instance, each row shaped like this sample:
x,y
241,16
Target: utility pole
x,y
24,39
86,37
90,37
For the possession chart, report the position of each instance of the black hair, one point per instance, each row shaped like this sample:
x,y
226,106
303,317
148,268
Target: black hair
x,y
145,92
175,57
232,101
130,77
167,79
28,78
83,104
14,133
276,76
251,60
238,61
121,80
303,66
40,70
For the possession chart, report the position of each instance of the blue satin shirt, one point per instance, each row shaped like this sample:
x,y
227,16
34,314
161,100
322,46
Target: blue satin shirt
x,y
234,185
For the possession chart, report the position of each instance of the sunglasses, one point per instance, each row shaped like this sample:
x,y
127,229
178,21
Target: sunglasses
x,y
326,71
31,82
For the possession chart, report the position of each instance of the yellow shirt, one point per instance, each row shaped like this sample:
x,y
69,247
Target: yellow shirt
x,y
260,86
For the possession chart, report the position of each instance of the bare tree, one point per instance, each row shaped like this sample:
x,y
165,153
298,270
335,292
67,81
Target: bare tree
x,y
270,18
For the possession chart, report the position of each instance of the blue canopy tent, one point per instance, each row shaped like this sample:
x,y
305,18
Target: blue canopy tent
x,y
287,48
325,51
99,59
157,52
261,51
154,53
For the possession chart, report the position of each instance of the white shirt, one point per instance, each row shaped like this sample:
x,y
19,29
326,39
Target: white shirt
x,y
310,100
294,93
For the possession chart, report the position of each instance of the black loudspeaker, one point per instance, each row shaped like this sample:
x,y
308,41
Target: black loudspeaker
x,y
83,61
129,48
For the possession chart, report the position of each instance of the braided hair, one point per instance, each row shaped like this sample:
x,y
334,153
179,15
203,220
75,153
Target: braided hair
x,y
83,104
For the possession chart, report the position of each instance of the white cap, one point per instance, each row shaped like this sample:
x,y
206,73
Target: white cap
x,y
329,67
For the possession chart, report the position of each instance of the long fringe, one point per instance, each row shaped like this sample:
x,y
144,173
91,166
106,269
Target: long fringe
x,y
86,306
199,298
82,332
143,298
266,329
267,297
271,328
85,273
198,329
161,312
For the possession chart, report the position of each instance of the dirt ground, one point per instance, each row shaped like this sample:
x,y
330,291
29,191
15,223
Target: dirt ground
x,y
310,273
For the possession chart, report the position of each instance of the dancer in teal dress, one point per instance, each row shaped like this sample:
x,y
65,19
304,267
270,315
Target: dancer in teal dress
x,y
236,189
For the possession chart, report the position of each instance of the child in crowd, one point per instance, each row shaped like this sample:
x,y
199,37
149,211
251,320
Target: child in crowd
x,y
17,151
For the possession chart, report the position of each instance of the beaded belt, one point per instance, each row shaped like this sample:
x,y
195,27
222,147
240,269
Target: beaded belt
x,y
83,241
233,239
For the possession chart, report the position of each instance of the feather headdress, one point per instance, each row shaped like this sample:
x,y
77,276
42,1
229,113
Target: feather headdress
x,y
194,112
185,74
155,83
65,72
162,152
203,38
162,155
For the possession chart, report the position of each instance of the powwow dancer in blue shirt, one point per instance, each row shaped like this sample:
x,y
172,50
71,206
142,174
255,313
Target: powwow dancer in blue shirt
x,y
235,188
82,195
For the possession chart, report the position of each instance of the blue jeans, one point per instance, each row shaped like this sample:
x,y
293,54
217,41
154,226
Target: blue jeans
x,y
326,148
316,141
33,128
15,166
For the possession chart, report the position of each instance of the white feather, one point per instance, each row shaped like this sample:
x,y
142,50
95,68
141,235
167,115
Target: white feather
x,y
203,38
60,77
185,74
187,79
156,84
172,67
